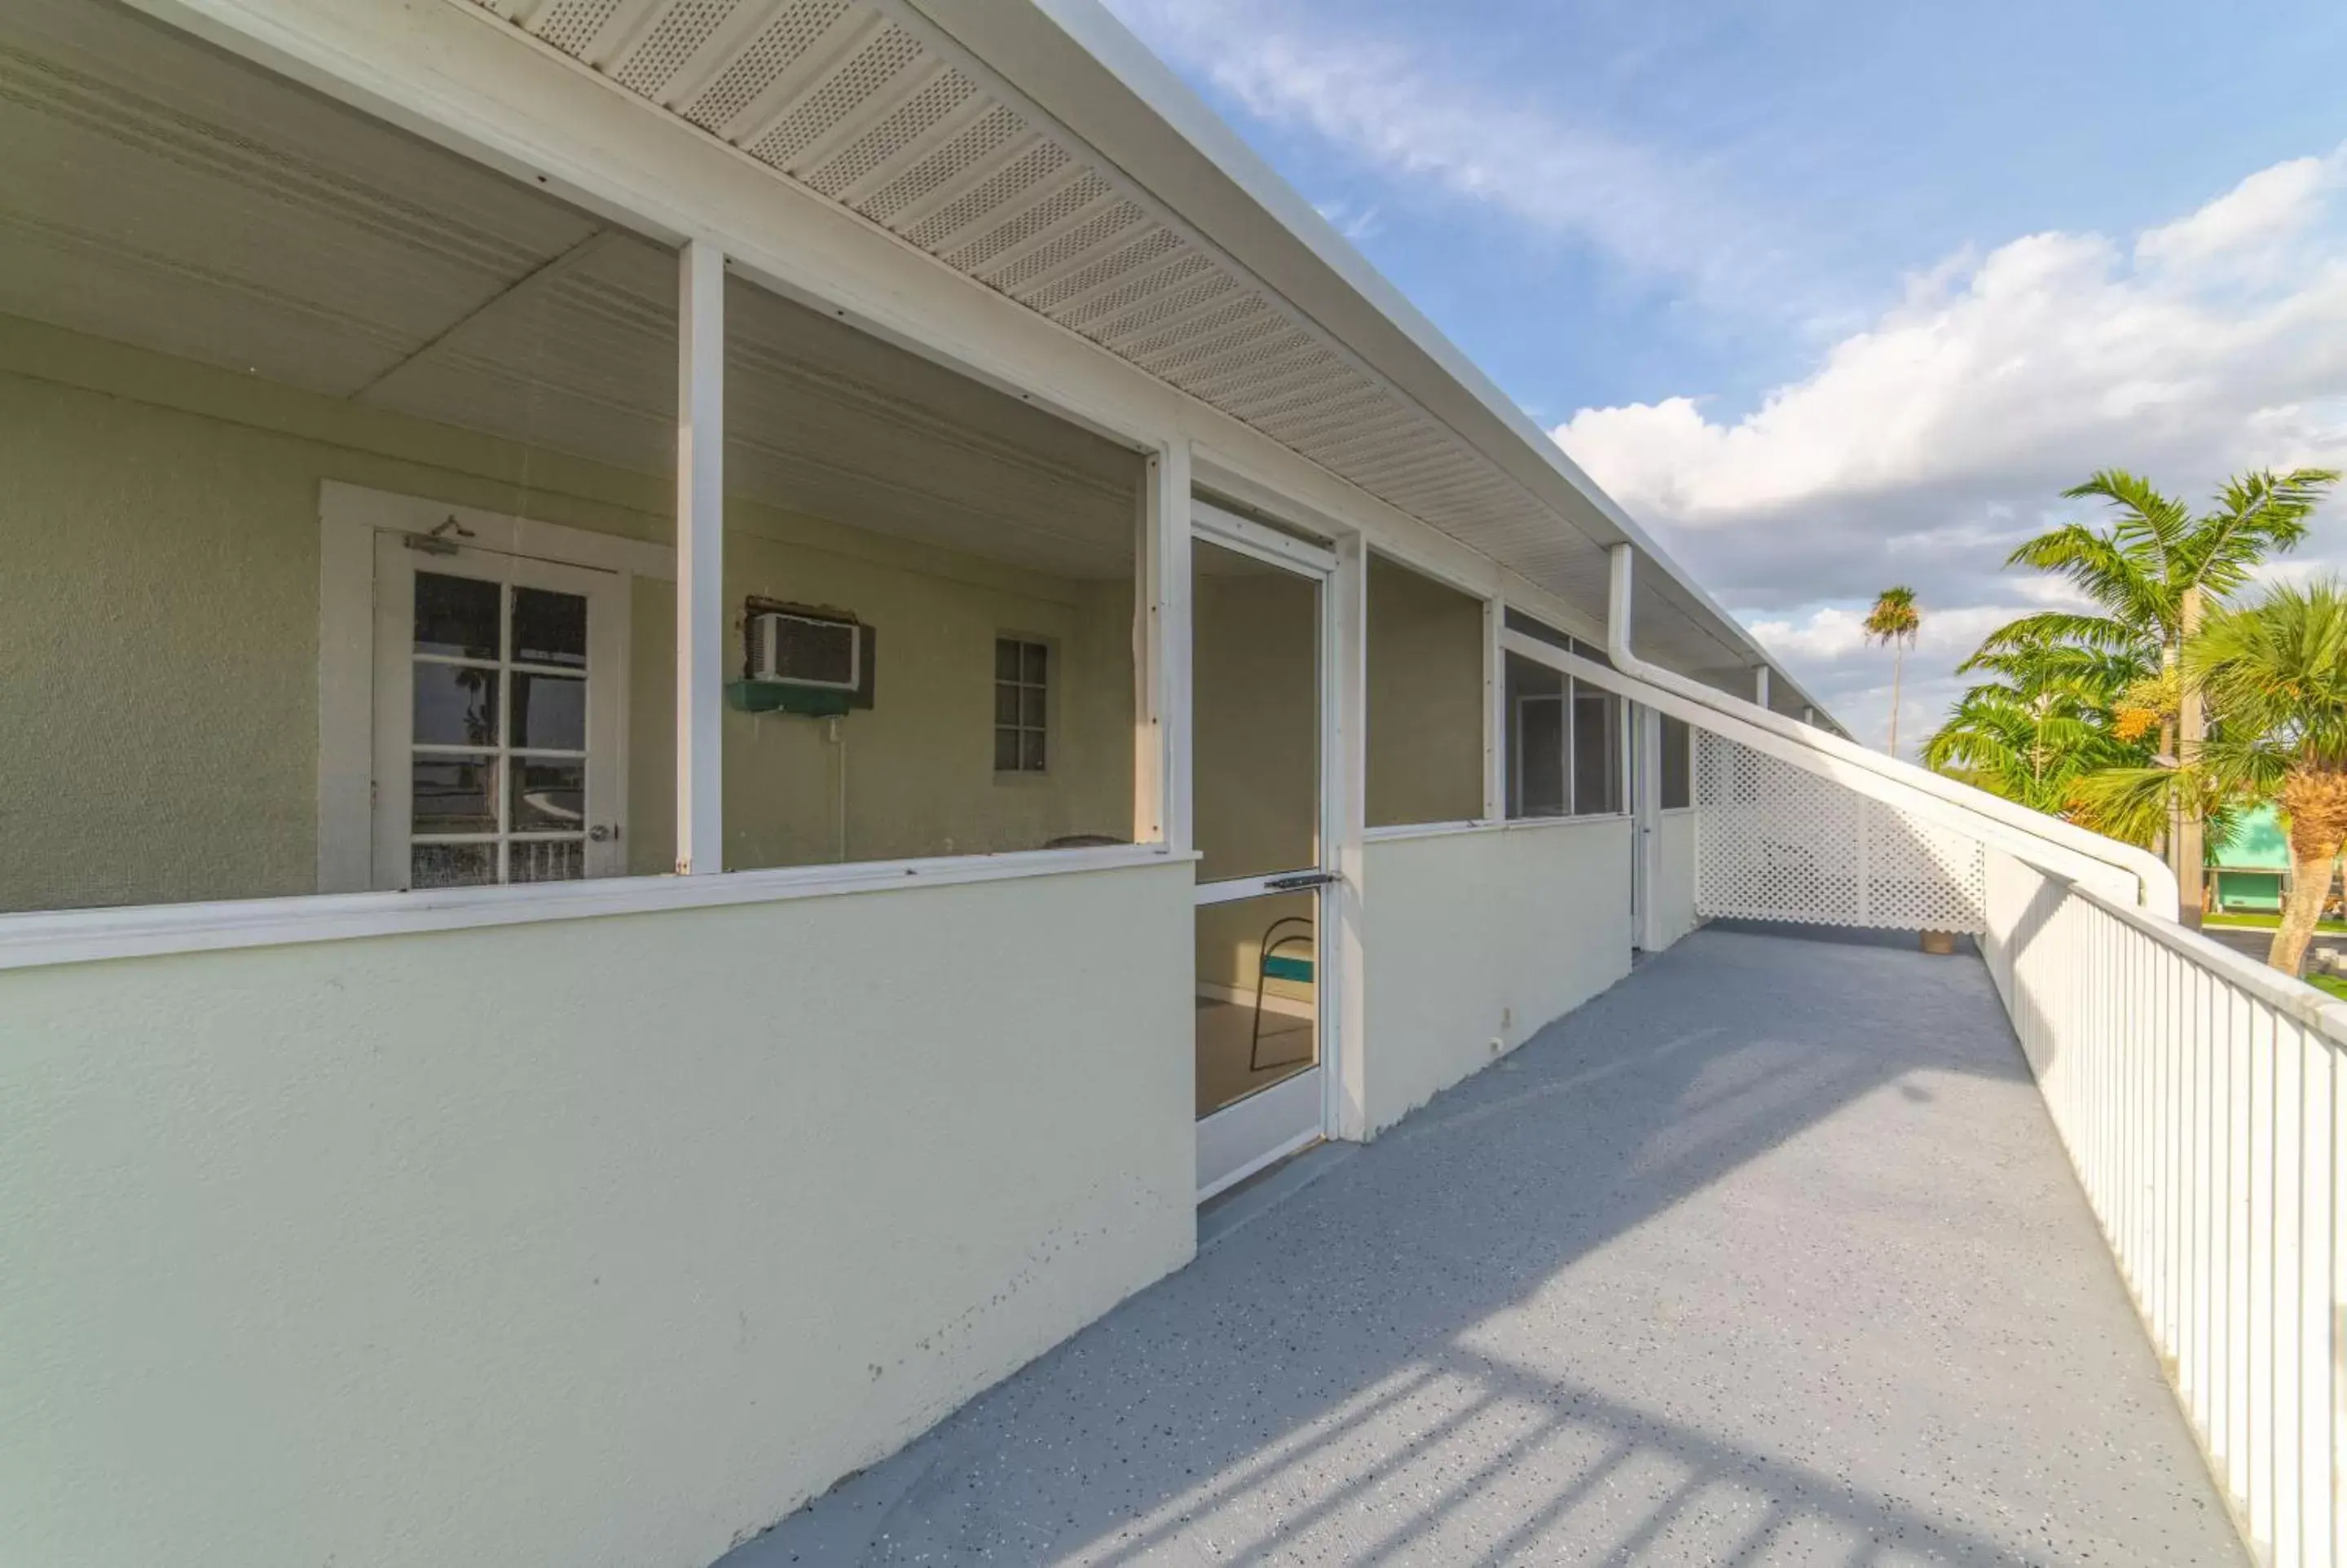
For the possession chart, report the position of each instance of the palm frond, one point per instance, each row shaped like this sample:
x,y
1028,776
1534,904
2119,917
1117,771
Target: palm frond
x,y
2102,633
2257,514
2145,515
2274,675
2132,804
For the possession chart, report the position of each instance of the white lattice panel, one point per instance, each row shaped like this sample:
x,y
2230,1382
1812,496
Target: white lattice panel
x,y
1774,842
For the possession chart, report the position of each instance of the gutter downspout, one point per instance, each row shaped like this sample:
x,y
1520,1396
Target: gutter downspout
x,y
2155,883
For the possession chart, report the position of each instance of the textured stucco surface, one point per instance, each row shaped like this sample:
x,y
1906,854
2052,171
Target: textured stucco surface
x,y
1674,914
158,635
1473,939
597,1243
1767,1254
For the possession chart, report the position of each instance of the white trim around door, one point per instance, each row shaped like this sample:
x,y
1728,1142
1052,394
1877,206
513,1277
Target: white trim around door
x,y
358,528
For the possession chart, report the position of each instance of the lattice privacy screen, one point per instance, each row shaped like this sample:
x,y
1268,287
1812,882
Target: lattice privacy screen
x,y
1774,842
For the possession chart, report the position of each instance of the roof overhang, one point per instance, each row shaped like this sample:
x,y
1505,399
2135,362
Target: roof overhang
x,y
1081,66
1036,148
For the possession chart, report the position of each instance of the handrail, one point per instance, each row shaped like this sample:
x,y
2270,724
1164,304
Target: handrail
x,y
2155,884
2316,1009
1794,753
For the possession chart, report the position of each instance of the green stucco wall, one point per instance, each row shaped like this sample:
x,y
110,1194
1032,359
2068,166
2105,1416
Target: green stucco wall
x,y
159,627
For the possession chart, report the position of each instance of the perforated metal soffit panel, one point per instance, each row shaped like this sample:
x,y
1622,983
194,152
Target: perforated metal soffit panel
x,y
1774,842
863,105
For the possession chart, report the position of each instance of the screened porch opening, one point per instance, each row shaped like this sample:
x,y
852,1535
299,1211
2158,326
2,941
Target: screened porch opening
x,y
337,494
929,601
1425,657
1566,743
334,494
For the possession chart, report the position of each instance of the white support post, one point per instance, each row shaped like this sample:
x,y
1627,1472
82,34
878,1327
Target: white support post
x,y
700,560
1760,686
1345,1107
1161,663
1495,713
1646,812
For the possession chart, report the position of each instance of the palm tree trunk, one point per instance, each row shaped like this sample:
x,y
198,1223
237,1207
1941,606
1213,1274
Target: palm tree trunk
x,y
1898,665
2191,728
2317,805
2309,881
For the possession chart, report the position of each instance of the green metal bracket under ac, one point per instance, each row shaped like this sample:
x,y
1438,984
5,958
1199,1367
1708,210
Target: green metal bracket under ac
x,y
785,697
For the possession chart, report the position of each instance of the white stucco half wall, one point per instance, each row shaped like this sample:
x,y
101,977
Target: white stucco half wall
x,y
1479,935
1674,914
598,1242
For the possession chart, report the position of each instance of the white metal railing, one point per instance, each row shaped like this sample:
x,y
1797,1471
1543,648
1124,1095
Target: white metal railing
x,y
2203,1101
2202,1098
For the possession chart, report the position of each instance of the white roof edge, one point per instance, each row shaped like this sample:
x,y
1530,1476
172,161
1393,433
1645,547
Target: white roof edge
x,y
1086,69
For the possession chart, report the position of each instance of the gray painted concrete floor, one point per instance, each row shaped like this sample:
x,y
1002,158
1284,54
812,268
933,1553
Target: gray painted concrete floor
x,y
1768,1255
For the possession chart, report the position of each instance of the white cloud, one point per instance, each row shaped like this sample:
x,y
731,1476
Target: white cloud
x,y
2267,208
1921,448
1377,98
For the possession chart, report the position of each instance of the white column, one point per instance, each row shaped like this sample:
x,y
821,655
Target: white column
x,y
1161,662
1346,1113
700,560
1761,685
1495,713
1647,813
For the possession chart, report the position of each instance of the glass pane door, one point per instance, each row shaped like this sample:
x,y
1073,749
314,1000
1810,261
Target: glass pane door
x,y
495,767
1257,678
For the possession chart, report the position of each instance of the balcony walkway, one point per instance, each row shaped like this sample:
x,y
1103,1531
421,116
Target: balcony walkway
x,y
1768,1255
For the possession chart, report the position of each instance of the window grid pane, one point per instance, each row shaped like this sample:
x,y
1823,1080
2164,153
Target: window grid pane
x,y
475,688
1021,705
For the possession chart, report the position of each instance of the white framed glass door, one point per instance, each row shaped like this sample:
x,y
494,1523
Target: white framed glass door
x,y
1262,663
500,742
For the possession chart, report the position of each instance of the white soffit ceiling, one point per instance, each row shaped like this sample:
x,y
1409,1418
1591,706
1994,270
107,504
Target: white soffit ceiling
x,y
170,197
865,104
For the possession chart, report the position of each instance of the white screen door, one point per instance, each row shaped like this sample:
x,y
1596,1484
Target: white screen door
x,y
1261,667
499,719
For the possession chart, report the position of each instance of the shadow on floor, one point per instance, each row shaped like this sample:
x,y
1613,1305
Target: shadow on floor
x,y
1766,1255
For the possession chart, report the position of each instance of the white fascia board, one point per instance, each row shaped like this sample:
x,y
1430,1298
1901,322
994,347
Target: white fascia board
x,y
1085,69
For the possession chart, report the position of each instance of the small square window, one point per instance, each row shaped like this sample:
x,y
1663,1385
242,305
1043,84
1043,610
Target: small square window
x,y
1022,704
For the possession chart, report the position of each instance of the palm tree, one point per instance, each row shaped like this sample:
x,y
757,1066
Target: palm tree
x,y
2040,725
1894,620
2150,577
2275,676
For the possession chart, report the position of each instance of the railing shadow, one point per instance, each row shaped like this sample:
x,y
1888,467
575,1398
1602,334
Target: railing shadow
x,y
1362,1368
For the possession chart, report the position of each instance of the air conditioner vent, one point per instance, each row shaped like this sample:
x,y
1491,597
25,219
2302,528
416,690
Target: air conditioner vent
x,y
799,649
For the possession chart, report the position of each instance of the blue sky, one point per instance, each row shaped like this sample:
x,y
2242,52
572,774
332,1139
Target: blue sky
x,y
1835,295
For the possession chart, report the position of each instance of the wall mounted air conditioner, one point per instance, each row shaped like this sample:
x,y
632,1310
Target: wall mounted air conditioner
x,y
791,649
804,659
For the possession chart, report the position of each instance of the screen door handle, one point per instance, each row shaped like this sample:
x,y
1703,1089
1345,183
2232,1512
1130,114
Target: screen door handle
x,y
1298,882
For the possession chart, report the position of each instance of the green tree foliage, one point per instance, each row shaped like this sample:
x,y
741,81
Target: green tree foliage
x,y
2040,723
2082,693
2273,675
